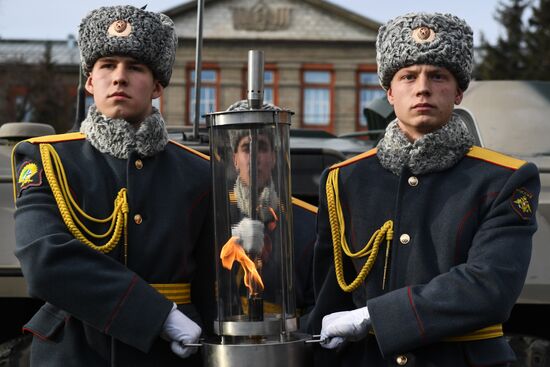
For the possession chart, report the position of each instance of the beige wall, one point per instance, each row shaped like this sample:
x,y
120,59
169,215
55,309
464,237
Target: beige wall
x,y
289,59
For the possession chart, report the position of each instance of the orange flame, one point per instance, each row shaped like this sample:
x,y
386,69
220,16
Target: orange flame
x,y
232,251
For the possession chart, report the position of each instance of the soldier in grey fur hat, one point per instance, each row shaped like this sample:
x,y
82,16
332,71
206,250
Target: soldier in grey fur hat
x,y
113,223
428,240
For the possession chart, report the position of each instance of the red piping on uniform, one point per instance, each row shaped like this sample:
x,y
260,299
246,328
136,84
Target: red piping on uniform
x,y
120,303
420,325
41,337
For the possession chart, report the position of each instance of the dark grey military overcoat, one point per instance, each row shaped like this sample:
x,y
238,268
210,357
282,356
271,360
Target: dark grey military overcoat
x,y
457,262
94,302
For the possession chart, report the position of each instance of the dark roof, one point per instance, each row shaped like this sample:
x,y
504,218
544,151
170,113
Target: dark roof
x,y
63,52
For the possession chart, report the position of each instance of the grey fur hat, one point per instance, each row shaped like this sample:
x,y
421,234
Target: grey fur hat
x,y
421,38
128,31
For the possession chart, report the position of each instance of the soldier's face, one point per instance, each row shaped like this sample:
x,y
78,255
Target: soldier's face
x,y
265,160
423,97
123,88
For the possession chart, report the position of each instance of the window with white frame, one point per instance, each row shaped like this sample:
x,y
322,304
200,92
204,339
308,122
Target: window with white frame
x,y
317,95
269,86
369,89
208,94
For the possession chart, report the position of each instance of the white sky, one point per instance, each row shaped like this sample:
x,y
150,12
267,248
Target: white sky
x,y
42,19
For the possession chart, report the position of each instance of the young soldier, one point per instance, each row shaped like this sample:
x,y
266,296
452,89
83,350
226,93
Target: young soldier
x,y
112,223
436,231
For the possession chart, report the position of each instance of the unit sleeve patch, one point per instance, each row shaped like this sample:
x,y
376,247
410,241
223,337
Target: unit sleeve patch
x,y
522,203
30,174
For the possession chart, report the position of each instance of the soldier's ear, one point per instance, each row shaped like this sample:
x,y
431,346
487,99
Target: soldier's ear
x,y
158,89
89,85
458,96
389,95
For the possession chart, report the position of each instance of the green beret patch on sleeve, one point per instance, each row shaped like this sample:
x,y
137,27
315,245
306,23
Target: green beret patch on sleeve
x,y
522,203
30,174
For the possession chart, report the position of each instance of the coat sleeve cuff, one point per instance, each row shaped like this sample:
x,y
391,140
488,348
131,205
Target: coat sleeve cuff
x,y
395,322
138,318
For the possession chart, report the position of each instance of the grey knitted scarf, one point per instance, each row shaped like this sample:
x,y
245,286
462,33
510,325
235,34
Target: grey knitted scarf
x,y
434,152
267,199
119,138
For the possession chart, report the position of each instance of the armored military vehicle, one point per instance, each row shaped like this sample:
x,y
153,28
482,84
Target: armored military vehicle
x,y
512,117
16,306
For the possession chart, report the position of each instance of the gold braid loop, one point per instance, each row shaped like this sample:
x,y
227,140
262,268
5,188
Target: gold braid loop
x,y
69,209
339,242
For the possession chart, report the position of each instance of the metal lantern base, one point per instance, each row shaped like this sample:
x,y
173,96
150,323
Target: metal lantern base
x,y
294,352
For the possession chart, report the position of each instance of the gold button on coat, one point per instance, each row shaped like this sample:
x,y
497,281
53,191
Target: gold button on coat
x,y
413,181
139,164
404,238
138,219
401,360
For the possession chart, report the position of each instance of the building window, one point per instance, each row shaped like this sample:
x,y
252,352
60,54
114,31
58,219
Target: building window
x,y
269,86
208,94
317,98
368,89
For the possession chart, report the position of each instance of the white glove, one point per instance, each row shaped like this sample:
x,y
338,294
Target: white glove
x,y
179,330
346,325
250,233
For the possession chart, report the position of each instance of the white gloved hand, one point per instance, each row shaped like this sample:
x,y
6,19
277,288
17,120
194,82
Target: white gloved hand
x,y
250,233
179,330
346,325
